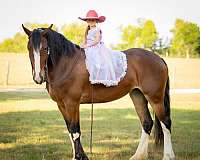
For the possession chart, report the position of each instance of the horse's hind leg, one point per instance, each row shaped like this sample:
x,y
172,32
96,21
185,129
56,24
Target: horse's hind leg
x,y
165,121
142,110
161,107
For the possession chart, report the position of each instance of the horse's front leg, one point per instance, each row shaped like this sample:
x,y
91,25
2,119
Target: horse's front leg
x,y
70,112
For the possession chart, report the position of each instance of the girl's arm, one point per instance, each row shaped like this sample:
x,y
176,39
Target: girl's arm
x,y
84,44
96,40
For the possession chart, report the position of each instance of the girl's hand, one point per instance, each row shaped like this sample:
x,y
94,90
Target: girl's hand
x,y
84,46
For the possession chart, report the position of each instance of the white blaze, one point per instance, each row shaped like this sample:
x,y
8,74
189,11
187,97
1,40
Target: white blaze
x,y
168,151
37,64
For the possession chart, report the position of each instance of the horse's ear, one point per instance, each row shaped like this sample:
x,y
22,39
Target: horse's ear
x,y
27,31
47,29
50,26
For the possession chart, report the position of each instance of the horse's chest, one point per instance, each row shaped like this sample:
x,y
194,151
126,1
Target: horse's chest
x,y
53,94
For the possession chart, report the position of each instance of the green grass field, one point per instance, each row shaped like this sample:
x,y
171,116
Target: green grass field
x,y
32,128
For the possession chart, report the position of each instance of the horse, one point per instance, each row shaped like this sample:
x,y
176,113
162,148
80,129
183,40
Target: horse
x,y
60,64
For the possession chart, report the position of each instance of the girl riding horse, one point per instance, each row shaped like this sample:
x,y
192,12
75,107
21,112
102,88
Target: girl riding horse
x,y
104,65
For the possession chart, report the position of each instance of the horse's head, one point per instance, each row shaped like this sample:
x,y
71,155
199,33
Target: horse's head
x,y
38,52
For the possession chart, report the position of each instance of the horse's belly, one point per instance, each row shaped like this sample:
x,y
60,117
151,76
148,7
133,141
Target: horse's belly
x,y
100,94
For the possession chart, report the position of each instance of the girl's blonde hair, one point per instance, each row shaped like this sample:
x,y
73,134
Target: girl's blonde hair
x,y
86,31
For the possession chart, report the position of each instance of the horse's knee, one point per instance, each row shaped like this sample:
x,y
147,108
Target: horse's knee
x,y
162,115
74,129
147,126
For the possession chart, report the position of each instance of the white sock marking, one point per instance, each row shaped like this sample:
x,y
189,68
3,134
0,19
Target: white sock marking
x,y
168,151
142,150
75,136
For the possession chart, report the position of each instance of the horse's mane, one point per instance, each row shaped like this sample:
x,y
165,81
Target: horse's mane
x,y
59,46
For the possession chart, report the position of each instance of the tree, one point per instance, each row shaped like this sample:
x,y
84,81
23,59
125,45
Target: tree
x,y
161,46
74,32
144,35
198,48
185,39
148,35
18,44
32,26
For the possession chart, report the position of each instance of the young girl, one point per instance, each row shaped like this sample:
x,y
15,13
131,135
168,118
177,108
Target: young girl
x,y
105,66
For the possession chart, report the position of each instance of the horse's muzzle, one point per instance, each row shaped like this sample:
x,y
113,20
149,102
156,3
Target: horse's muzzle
x,y
39,79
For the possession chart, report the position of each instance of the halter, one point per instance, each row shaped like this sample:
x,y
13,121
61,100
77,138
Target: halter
x,y
46,70
45,67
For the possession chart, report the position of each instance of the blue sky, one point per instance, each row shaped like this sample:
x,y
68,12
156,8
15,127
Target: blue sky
x,y
118,12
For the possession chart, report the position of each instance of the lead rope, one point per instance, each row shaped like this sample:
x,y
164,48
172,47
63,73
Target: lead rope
x,y
91,127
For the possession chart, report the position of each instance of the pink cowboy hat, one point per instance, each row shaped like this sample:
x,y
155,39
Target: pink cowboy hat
x,y
92,14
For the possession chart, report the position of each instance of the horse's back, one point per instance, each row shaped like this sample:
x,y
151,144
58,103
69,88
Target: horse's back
x,y
148,69
143,55
145,59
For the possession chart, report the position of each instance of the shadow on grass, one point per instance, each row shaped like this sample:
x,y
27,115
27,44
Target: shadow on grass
x,y
25,95
42,135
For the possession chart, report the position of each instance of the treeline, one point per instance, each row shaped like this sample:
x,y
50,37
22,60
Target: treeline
x,y
185,41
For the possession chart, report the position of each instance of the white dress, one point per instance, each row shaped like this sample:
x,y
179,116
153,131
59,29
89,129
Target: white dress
x,y
104,65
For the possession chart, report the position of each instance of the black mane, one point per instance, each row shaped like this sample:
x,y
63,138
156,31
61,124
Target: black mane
x,y
58,45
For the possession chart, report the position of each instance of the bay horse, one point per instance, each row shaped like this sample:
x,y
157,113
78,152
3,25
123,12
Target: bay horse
x,y
61,64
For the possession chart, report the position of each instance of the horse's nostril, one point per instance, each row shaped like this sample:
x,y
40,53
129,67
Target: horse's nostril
x,y
36,81
39,79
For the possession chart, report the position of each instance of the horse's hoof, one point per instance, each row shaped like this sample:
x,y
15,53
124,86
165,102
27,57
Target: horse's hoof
x,y
138,157
85,158
81,157
168,157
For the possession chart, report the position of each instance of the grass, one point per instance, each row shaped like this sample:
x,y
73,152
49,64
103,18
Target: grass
x,y
32,128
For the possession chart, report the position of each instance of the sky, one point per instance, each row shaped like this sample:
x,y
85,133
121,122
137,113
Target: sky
x,y
118,12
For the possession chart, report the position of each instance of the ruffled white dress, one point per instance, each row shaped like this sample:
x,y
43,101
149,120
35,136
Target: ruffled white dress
x,y
104,65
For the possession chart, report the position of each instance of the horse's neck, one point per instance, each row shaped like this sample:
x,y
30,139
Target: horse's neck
x,y
63,69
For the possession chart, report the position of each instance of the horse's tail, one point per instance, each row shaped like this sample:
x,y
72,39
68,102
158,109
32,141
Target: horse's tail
x,y
158,133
